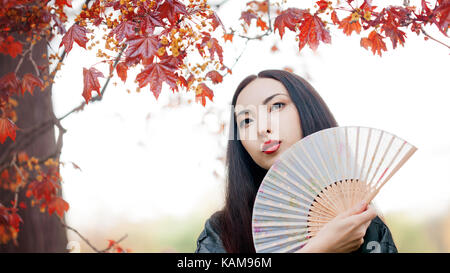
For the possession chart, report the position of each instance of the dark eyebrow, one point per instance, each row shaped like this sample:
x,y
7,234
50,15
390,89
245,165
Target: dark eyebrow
x,y
265,101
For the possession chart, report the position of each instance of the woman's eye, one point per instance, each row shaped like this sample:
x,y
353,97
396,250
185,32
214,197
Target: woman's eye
x,y
243,122
278,103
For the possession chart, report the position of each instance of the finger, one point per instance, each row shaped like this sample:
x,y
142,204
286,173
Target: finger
x,y
358,208
366,216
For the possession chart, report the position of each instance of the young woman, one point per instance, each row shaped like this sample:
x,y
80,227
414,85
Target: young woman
x,y
300,112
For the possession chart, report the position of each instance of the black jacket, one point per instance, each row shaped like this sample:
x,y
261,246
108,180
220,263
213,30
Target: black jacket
x,y
378,238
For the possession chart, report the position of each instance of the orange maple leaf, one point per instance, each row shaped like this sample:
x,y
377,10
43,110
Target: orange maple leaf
x,y
228,37
312,30
375,42
260,23
202,92
349,25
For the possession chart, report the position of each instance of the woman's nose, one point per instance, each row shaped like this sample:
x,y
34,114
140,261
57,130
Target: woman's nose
x,y
264,127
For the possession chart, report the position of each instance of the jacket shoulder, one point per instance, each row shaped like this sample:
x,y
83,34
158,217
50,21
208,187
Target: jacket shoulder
x,y
378,238
209,239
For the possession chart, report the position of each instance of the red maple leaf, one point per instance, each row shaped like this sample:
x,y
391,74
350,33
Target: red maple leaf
x,y
44,189
215,76
442,13
29,82
10,46
157,73
151,21
7,129
248,16
8,85
125,29
76,33
288,19
59,205
212,44
172,9
395,34
312,30
216,21
375,42
202,92
142,48
121,69
323,5
62,3
90,79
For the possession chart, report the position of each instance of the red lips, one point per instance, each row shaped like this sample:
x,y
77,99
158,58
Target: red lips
x,y
270,146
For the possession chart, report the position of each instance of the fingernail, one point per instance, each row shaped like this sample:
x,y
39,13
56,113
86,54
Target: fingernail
x,y
362,204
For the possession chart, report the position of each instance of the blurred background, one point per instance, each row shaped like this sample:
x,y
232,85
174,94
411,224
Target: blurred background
x,y
154,169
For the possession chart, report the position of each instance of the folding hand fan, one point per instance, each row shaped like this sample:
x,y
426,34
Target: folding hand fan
x,y
320,176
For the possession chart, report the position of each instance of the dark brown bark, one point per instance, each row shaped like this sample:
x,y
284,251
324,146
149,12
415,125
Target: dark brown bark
x,y
39,232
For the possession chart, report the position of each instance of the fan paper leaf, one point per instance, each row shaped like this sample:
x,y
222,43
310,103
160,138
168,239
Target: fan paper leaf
x,y
317,178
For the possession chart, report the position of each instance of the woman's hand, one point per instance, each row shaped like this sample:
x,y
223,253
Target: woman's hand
x,y
344,233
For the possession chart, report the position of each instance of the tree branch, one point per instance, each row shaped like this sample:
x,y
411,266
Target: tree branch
x,y
436,40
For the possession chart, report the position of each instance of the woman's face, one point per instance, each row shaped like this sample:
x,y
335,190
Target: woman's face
x,y
264,111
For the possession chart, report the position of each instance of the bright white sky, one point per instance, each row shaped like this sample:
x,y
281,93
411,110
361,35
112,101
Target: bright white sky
x,y
136,168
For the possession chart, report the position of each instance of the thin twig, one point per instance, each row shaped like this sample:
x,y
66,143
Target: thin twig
x,y
79,234
436,40
115,243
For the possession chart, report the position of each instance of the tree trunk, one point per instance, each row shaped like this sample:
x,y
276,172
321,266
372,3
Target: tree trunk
x,y
39,231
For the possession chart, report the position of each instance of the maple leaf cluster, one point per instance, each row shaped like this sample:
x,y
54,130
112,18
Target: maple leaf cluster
x,y
42,190
159,35
312,28
156,36
9,224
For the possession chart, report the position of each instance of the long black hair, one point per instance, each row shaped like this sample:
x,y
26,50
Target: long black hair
x,y
244,176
